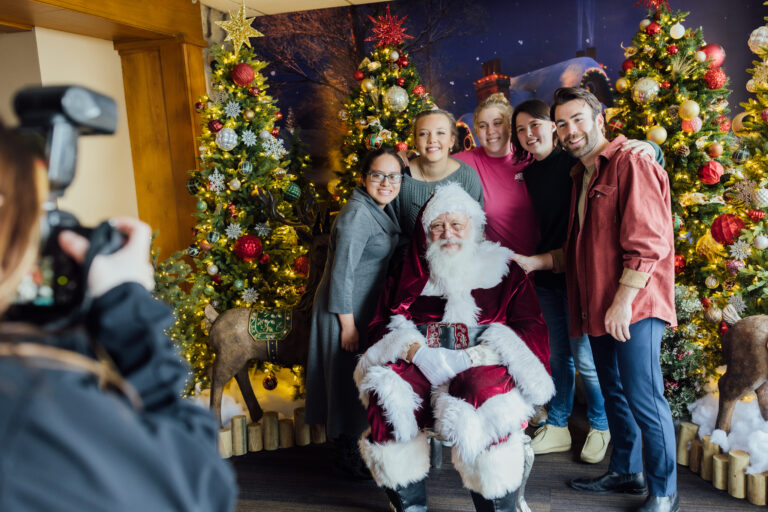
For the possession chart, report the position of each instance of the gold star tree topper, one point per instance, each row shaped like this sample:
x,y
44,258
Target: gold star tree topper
x,y
239,29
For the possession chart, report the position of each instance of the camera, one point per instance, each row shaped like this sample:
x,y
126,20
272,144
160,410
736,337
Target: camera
x,y
50,121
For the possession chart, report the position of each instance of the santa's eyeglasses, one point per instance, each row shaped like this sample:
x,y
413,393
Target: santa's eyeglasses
x,y
378,177
438,228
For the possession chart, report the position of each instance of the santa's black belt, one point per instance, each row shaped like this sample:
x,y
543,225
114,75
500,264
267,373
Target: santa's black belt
x,y
451,335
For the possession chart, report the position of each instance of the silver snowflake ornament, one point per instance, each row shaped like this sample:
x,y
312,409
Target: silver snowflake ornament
x,y
740,250
273,147
234,231
250,295
233,109
248,137
262,229
738,303
216,181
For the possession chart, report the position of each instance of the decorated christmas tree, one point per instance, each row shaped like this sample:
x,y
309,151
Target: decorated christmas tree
x,y
245,252
672,91
380,112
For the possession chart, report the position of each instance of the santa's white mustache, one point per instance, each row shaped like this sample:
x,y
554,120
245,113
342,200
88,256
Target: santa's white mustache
x,y
450,241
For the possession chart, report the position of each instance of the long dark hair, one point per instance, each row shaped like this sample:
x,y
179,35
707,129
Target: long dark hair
x,y
534,108
376,153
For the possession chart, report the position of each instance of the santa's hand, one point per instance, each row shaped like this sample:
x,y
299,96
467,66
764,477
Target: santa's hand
x,y
439,365
129,264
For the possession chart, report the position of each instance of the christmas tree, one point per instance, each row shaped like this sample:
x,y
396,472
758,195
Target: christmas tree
x,y
381,110
672,91
246,252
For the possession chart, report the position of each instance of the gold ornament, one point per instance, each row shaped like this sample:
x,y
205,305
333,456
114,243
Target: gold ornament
x,y
278,173
285,234
622,84
714,314
239,29
657,134
629,51
711,282
728,284
333,186
367,85
249,114
373,66
688,110
645,90
707,247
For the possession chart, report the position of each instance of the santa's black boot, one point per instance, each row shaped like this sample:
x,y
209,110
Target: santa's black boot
x,y
411,498
504,504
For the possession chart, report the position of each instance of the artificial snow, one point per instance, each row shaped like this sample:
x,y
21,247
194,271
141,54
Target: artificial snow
x,y
749,431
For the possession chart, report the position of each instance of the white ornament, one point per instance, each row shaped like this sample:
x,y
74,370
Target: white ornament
x,y
644,24
758,39
250,295
676,31
264,134
645,90
273,147
262,229
760,198
760,242
393,55
226,139
750,85
714,314
740,250
396,98
737,303
248,138
730,315
234,231
216,181
700,56
233,109
212,269
234,184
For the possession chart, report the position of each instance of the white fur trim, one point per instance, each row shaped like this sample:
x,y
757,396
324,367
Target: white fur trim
x,y
397,400
496,472
452,198
483,355
531,377
394,464
393,346
471,430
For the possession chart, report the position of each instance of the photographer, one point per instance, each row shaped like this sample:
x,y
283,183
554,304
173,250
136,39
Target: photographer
x,y
79,433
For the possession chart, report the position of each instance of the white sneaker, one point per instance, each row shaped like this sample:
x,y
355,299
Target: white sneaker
x,y
595,446
551,439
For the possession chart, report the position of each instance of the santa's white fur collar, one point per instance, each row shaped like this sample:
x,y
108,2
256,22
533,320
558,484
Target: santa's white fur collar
x,y
489,267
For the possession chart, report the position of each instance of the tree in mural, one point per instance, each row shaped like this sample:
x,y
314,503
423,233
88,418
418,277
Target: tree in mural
x,y
246,252
672,91
380,110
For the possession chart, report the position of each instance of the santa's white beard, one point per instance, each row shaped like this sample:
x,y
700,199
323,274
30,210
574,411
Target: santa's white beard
x,y
447,267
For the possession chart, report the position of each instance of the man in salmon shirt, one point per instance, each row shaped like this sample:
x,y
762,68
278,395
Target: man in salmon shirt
x,y
619,259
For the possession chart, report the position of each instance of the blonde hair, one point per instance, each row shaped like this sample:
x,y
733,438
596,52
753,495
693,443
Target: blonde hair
x,y
19,214
499,101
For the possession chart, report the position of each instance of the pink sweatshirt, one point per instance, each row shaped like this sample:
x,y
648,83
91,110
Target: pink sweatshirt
x,y
508,208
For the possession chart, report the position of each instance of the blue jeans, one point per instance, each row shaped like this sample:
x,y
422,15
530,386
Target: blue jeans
x,y
639,416
565,355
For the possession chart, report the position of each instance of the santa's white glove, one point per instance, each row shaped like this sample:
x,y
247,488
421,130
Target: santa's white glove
x,y
439,365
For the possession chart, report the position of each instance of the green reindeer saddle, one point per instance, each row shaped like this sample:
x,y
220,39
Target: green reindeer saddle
x,y
271,326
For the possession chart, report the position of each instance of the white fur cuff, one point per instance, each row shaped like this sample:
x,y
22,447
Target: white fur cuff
x,y
393,346
495,472
473,430
397,398
394,464
531,377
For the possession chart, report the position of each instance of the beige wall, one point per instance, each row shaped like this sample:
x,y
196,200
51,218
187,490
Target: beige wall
x,y
104,184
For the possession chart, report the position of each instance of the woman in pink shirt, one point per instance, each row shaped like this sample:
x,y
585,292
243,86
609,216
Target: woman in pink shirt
x,y
509,210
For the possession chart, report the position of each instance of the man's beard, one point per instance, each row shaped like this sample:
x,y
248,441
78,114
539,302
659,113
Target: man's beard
x,y
447,268
588,145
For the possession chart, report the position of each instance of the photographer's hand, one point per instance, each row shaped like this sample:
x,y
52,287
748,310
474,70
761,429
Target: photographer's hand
x,y
129,264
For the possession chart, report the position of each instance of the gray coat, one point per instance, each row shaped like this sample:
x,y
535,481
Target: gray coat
x,y
363,238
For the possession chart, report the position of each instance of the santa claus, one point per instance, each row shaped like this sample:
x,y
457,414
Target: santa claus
x,y
459,345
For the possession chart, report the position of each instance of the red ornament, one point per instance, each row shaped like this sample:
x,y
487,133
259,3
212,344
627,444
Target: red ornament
x,y
653,4
269,382
723,328
264,259
756,215
714,78
242,74
216,278
419,90
199,106
711,172
248,247
715,54
275,131
388,30
715,149
724,122
278,115
705,302
764,115
253,91
615,124
679,263
653,29
691,125
401,146
665,84
301,266
672,49
400,81
403,62
231,209
215,125
627,65
725,228
358,75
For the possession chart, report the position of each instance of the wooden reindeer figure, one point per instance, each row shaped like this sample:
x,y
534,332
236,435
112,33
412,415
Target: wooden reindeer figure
x,y
230,336
745,347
